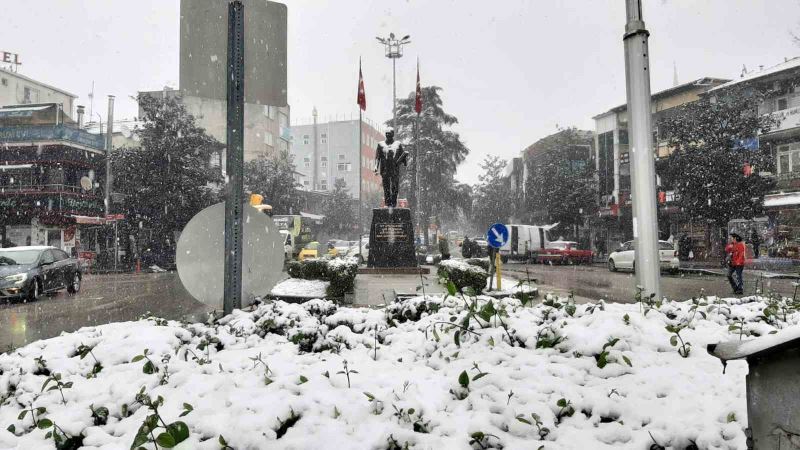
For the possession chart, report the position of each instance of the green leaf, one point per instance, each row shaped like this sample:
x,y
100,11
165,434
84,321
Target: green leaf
x,y
457,337
627,360
369,396
451,288
303,379
491,341
48,435
436,334
673,340
46,382
12,429
731,417
561,403
149,368
463,379
411,411
68,385
524,420
479,376
137,358
22,414
222,441
44,423
165,440
602,360
179,431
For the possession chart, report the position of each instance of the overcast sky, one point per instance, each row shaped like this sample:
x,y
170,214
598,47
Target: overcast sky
x,y
512,71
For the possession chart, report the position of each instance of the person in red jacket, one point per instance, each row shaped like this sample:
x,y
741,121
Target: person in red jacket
x,y
735,250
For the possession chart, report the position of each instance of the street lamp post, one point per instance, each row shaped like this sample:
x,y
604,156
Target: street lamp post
x,y
643,176
394,50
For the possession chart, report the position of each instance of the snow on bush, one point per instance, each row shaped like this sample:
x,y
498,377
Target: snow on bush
x,y
448,372
462,274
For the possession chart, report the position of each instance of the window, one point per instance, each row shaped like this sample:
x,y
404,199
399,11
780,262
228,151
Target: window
x,y
30,95
323,164
305,164
781,103
305,182
4,81
789,158
323,138
341,157
269,138
323,185
271,112
305,139
343,167
323,158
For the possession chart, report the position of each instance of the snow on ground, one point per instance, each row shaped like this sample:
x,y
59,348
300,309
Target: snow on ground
x,y
424,373
296,287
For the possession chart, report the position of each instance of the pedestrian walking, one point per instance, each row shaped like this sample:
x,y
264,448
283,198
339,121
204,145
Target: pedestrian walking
x,y
755,241
444,247
466,248
735,258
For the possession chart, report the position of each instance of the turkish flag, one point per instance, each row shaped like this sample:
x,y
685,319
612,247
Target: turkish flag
x,y
362,97
418,101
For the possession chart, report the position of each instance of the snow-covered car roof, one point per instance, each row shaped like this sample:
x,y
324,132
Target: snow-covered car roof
x,y
562,242
27,247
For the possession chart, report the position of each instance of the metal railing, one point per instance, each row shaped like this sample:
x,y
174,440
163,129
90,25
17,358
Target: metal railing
x,y
19,188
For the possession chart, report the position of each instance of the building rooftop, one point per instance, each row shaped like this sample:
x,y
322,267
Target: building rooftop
x,y
785,66
675,90
31,80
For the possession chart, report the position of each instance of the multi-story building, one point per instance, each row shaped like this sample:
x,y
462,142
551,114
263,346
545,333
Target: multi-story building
x,y
515,177
613,223
266,128
16,89
780,228
51,179
328,151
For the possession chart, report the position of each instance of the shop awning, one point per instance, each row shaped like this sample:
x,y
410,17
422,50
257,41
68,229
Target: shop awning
x,y
22,112
780,200
311,216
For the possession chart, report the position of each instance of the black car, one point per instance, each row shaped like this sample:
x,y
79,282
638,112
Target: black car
x,y
30,272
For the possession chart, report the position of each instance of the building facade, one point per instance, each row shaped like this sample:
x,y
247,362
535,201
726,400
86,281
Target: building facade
x,y
266,128
612,224
327,151
780,228
51,179
16,89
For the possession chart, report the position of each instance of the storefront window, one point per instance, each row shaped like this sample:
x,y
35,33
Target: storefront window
x,y
789,158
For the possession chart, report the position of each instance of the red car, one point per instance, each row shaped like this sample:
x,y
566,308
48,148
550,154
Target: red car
x,y
564,252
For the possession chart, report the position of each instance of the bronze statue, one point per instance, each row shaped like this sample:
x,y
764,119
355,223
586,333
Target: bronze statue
x,y
389,156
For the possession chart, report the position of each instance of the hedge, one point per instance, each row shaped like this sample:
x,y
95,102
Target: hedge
x,y
340,272
463,274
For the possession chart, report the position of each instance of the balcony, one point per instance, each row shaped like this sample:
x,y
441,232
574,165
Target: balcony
x,y
48,199
34,133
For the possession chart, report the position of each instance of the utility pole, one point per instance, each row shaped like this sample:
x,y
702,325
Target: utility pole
x,y
643,173
394,50
234,195
109,131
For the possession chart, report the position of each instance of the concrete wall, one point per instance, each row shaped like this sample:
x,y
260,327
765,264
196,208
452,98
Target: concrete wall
x,y
12,92
773,392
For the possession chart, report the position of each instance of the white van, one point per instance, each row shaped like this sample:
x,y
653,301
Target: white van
x,y
524,242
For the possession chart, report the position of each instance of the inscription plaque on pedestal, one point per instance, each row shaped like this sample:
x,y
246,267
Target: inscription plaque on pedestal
x,y
391,238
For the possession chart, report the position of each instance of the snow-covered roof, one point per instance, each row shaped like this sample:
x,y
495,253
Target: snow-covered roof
x,y
311,216
726,351
28,247
777,200
706,81
31,80
790,64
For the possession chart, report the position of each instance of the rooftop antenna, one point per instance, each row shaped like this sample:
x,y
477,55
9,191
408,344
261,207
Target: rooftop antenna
x,y
744,71
91,101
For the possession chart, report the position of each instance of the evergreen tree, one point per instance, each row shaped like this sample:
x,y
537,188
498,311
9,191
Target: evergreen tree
x,y
560,180
491,202
273,177
707,165
168,179
340,220
440,152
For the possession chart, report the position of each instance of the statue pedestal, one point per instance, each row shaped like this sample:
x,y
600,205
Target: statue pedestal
x,y
391,238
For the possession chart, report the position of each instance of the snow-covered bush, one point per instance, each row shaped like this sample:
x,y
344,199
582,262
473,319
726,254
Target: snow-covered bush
x,y
455,372
462,274
483,263
340,272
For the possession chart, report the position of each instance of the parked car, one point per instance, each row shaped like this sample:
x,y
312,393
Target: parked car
x,y
427,255
30,272
309,251
340,247
625,259
353,251
563,252
482,246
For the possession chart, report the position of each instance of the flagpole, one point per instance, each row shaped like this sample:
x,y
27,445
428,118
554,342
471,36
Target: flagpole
x,y
360,169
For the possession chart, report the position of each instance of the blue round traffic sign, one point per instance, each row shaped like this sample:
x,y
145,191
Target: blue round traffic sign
x,y
497,235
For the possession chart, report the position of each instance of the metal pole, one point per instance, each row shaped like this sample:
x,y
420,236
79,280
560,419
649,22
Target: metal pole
x,y
643,177
394,93
234,195
360,183
109,131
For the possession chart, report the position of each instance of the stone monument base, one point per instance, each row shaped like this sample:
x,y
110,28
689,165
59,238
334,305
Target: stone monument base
x,y
391,238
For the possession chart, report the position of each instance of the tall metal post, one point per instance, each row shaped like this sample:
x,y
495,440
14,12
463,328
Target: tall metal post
x,y
234,195
360,182
394,93
109,132
643,173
